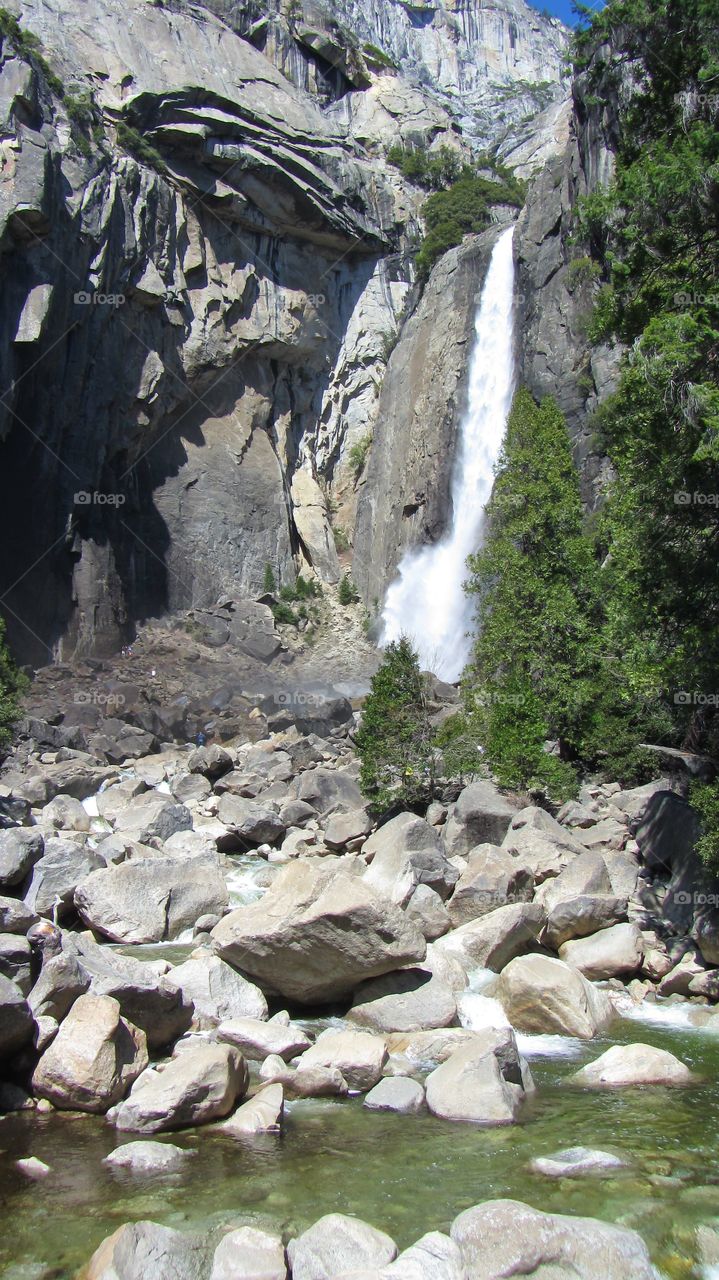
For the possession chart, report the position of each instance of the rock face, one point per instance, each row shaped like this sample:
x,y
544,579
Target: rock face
x,y
632,1064
198,1085
337,1245
484,1081
543,995
316,934
151,900
94,1058
505,1236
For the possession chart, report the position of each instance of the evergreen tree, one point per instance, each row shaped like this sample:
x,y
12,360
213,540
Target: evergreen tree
x,y
269,584
347,593
394,741
533,671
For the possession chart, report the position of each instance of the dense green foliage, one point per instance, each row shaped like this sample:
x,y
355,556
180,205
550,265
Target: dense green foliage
x,y
462,208
431,169
301,589
268,582
347,591
394,740
132,141
12,684
358,454
705,799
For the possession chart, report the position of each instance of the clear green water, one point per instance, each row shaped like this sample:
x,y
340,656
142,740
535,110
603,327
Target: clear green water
x,y
405,1174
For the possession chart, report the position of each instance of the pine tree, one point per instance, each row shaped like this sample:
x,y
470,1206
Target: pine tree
x,y
533,671
269,584
347,593
395,738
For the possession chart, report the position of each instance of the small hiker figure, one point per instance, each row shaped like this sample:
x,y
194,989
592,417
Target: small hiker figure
x,y
201,739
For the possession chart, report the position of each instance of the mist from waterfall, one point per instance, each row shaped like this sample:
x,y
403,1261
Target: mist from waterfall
x,y
426,601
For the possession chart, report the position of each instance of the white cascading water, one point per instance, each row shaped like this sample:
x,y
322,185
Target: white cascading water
x,y
426,601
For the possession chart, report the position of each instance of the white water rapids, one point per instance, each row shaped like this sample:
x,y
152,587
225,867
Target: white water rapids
x,y
426,601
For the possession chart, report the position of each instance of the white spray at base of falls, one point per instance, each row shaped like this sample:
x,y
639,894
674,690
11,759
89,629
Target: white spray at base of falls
x,y
426,601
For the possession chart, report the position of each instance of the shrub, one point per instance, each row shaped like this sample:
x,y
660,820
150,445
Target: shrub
x,y
268,582
283,615
358,454
705,799
133,142
347,592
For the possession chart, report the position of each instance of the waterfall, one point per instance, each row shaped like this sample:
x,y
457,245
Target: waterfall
x,y
426,601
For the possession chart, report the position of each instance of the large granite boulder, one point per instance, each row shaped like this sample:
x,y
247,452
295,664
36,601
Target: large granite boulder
x,y
20,849
409,1000
546,996
152,816
484,1081
491,941
403,854
94,1058
542,845
492,878
482,815
505,1237
16,1019
55,876
633,1064
433,1257
138,1250
151,899
611,953
316,934
337,1246
249,1254
145,996
258,1040
581,916
216,990
357,1054
201,1083
261,1114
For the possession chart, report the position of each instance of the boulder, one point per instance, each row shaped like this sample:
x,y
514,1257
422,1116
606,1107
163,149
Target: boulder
x,y
632,1064
494,939
541,843
338,1246
249,823
94,1058
482,815
546,996
15,916
403,854
484,1082
16,1020
140,1250
15,960
329,790
409,1000
585,875
396,1093
151,900
428,912
152,816
316,934
249,1254
608,833
577,1162
492,878
216,990
505,1237
61,980
257,1040
581,916
433,1257
262,1114
343,829
54,878
358,1055
200,1084
65,813
611,953
145,996
148,1157
308,1082
191,788
20,849
424,1049
212,761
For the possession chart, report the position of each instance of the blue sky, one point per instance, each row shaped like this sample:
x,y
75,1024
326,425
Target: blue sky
x,y
559,8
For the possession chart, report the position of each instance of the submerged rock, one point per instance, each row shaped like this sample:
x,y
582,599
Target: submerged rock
x,y
396,1093
633,1064
148,1157
577,1162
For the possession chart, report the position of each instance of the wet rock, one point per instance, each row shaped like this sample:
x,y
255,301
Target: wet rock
x,y
149,1157
494,939
93,1059
403,854
338,1245
261,1114
202,1083
503,1237
633,1064
258,1040
359,1056
610,953
396,1093
410,1000
20,849
543,995
577,1162
249,1254
216,990
148,900
484,1081
316,934
482,815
